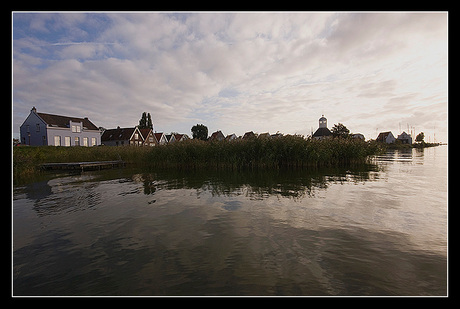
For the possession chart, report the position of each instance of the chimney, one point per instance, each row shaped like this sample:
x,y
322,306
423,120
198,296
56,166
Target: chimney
x,y
33,110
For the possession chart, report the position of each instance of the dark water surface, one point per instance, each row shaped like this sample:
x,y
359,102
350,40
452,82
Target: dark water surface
x,y
379,229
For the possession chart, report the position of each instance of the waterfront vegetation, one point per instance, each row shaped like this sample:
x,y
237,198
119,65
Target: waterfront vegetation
x,y
287,151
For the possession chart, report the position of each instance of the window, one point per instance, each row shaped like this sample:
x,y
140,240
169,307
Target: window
x,y
57,140
93,141
77,141
27,128
44,140
67,141
85,141
76,129
38,127
136,136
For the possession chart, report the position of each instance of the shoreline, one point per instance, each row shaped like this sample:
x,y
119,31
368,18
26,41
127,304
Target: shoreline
x,y
284,152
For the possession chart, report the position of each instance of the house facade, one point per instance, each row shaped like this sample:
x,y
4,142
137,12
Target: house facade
x,y
149,137
386,137
217,136
122,137
181,137
405,138
160,138
54,130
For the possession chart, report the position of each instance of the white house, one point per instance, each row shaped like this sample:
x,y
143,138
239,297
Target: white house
x,y
54,130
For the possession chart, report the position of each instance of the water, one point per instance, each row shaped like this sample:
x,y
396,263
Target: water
x,y
379,229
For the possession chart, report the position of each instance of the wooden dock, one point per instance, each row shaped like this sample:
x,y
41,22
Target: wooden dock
x,y
83,166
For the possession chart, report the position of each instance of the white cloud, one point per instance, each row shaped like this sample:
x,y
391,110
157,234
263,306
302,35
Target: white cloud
x,y
234,72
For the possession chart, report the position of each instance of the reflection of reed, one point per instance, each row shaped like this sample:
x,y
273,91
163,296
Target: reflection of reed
x,y
291,183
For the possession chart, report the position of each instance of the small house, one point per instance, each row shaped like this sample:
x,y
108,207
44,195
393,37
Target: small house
x,y
160,138
181,137
122,137
217,136
358,136
264,136
386,137
405,138
249,135
231,137
149,137
54,130
171,138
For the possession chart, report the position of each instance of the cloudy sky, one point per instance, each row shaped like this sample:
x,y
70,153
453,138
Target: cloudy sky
x,y
235,72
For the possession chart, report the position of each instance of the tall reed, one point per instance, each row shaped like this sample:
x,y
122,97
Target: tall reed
x,y
286,151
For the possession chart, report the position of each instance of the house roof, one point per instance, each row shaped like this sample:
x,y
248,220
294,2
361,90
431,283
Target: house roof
x,y
158,136
117,134
383,135
63,121
145,132
322,132
249,134
217,135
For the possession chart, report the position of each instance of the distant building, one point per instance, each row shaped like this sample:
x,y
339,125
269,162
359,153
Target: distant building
x,y
148,136
122,137
249,135
181,137
265,136
231,137
323,131
160,137
217,136
405,138
386,137
358,135
54,130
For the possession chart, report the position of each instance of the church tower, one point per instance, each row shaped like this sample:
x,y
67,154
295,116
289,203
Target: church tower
x,y
323,122
323,131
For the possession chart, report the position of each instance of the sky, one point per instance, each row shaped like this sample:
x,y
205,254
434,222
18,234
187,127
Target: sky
x,y
235,71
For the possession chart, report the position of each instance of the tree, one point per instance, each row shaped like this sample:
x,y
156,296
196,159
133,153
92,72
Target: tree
x,y
420,137
146,121
200,131
149,121
339,130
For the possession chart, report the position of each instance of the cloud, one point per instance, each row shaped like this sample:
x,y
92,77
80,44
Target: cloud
x,y
232,71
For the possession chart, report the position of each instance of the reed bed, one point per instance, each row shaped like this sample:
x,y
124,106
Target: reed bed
x,y
287,151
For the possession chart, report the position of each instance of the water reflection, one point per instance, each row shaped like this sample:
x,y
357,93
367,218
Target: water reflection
x,y
257,184
375,229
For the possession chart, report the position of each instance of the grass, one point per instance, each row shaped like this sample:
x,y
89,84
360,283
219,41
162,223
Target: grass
x,y
287,151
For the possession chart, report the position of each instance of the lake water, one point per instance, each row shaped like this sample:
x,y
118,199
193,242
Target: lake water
x,y
379,229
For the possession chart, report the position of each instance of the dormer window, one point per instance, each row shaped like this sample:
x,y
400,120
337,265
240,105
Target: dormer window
x,y
76,128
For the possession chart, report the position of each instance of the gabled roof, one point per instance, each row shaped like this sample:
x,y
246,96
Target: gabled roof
x,y
145,132
322,132
117,134
249,134
218,135
383,135
63,121
158,136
